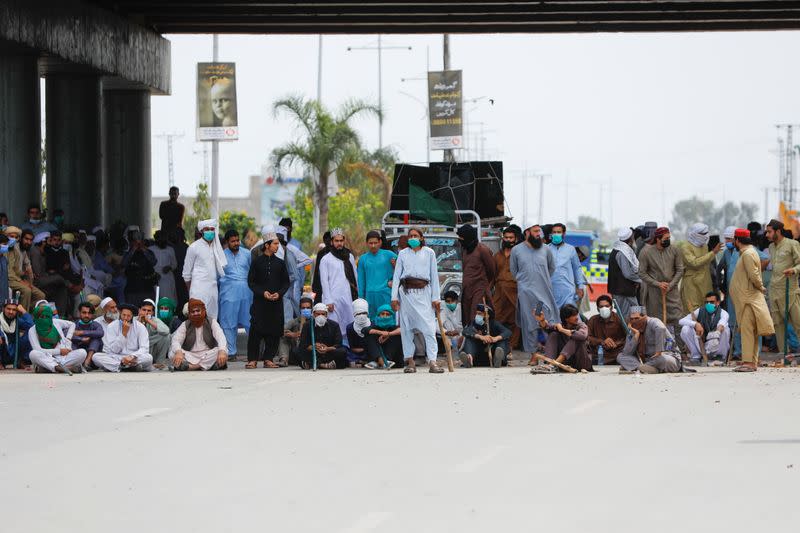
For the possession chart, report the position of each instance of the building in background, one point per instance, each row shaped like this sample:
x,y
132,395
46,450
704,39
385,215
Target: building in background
x,y
266,199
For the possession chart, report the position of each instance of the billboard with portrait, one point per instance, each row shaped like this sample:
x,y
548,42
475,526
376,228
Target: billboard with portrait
x,y
217,118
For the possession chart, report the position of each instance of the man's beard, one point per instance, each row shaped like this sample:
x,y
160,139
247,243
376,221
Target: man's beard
x,y
25,247
536,242
234,248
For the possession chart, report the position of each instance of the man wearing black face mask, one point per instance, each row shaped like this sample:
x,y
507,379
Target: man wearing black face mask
x,y
505,286
661,269
478,272
531,264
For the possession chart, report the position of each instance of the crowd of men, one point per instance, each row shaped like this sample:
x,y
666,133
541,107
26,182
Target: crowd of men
x,y
81,299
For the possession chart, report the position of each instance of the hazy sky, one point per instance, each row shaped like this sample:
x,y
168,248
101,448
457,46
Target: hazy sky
x,y
633,113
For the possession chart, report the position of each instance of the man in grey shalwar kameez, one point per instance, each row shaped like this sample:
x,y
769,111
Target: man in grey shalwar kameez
x,y
415,296
532,264
648,347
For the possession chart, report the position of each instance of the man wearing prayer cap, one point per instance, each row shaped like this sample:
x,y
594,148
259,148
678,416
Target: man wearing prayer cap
x,y
661,269
205,263
268,280
697,257
20,271
747,292
126,345
337,275
623,272
327,341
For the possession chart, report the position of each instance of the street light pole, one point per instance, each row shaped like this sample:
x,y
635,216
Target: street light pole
x,y
380,48
215,149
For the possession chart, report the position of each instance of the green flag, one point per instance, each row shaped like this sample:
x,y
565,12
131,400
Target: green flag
x,y
422,204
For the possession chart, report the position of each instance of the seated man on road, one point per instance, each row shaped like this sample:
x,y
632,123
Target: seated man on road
x,y
606,330
451,321
14,325
289,344
327,340
710,323
199,343
157,332
110,313
649,346
166,313
126,344
477,338
51,351
357,353
382,340
566,341
88,334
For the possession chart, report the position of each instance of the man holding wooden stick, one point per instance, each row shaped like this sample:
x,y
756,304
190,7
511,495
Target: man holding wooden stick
x,y
566,343
483,337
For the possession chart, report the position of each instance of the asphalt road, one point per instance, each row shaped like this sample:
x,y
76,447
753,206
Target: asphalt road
x,y
361,451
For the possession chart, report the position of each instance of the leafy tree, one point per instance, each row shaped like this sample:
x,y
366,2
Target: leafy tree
x,y
353,210
240,221
325,140
688,212
201,210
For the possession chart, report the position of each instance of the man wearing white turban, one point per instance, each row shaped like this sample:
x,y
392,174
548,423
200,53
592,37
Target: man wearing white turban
x,y
205,263
623,273
696,282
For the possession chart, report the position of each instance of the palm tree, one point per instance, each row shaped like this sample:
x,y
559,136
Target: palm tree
x,y
326,139
377,166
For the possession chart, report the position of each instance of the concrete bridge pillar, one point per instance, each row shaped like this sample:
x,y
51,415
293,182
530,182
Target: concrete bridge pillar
x,y
20,134
74,155
127,187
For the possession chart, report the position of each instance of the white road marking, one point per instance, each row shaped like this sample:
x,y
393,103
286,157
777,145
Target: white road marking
x,y
369,522
478,461
582,408
143,414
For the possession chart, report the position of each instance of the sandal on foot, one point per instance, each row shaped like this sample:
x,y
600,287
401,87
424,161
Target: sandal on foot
x,y
269,364
466,360
434,368
251,365
330,365
410,369
543,369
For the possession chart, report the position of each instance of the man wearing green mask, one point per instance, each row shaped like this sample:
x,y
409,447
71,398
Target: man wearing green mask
x,y
567,279
707,324
88,334
205,263
166,313
51,350
382,340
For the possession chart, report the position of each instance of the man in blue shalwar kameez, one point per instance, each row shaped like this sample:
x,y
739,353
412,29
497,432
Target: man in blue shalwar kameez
x,y
375,273
235,296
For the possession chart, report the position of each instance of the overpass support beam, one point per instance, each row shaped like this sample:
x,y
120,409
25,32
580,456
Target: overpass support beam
x,y
20,134
127,188
74,165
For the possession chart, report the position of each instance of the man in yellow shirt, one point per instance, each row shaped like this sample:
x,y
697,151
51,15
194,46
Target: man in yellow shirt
x,y
784,255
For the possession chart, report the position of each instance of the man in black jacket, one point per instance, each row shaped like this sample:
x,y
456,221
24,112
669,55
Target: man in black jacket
x,y
327,341
623,273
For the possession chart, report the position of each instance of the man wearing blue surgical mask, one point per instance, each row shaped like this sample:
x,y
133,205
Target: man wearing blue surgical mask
x,y
479,339
707,324
568,282
289,344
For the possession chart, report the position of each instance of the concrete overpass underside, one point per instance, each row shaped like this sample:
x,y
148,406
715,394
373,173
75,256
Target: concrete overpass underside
x,y
102,61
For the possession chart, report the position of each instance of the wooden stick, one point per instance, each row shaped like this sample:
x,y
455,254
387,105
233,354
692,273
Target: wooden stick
x,y
446,342
565,368
664,306
488,333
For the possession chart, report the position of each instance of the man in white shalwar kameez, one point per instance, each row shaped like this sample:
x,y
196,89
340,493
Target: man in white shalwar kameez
x,y
415,297
51,350
337,275
199,343
205,263
126,344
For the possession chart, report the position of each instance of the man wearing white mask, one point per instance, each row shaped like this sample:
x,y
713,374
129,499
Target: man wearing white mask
x,y
623,272
606,332
327,342
205,263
